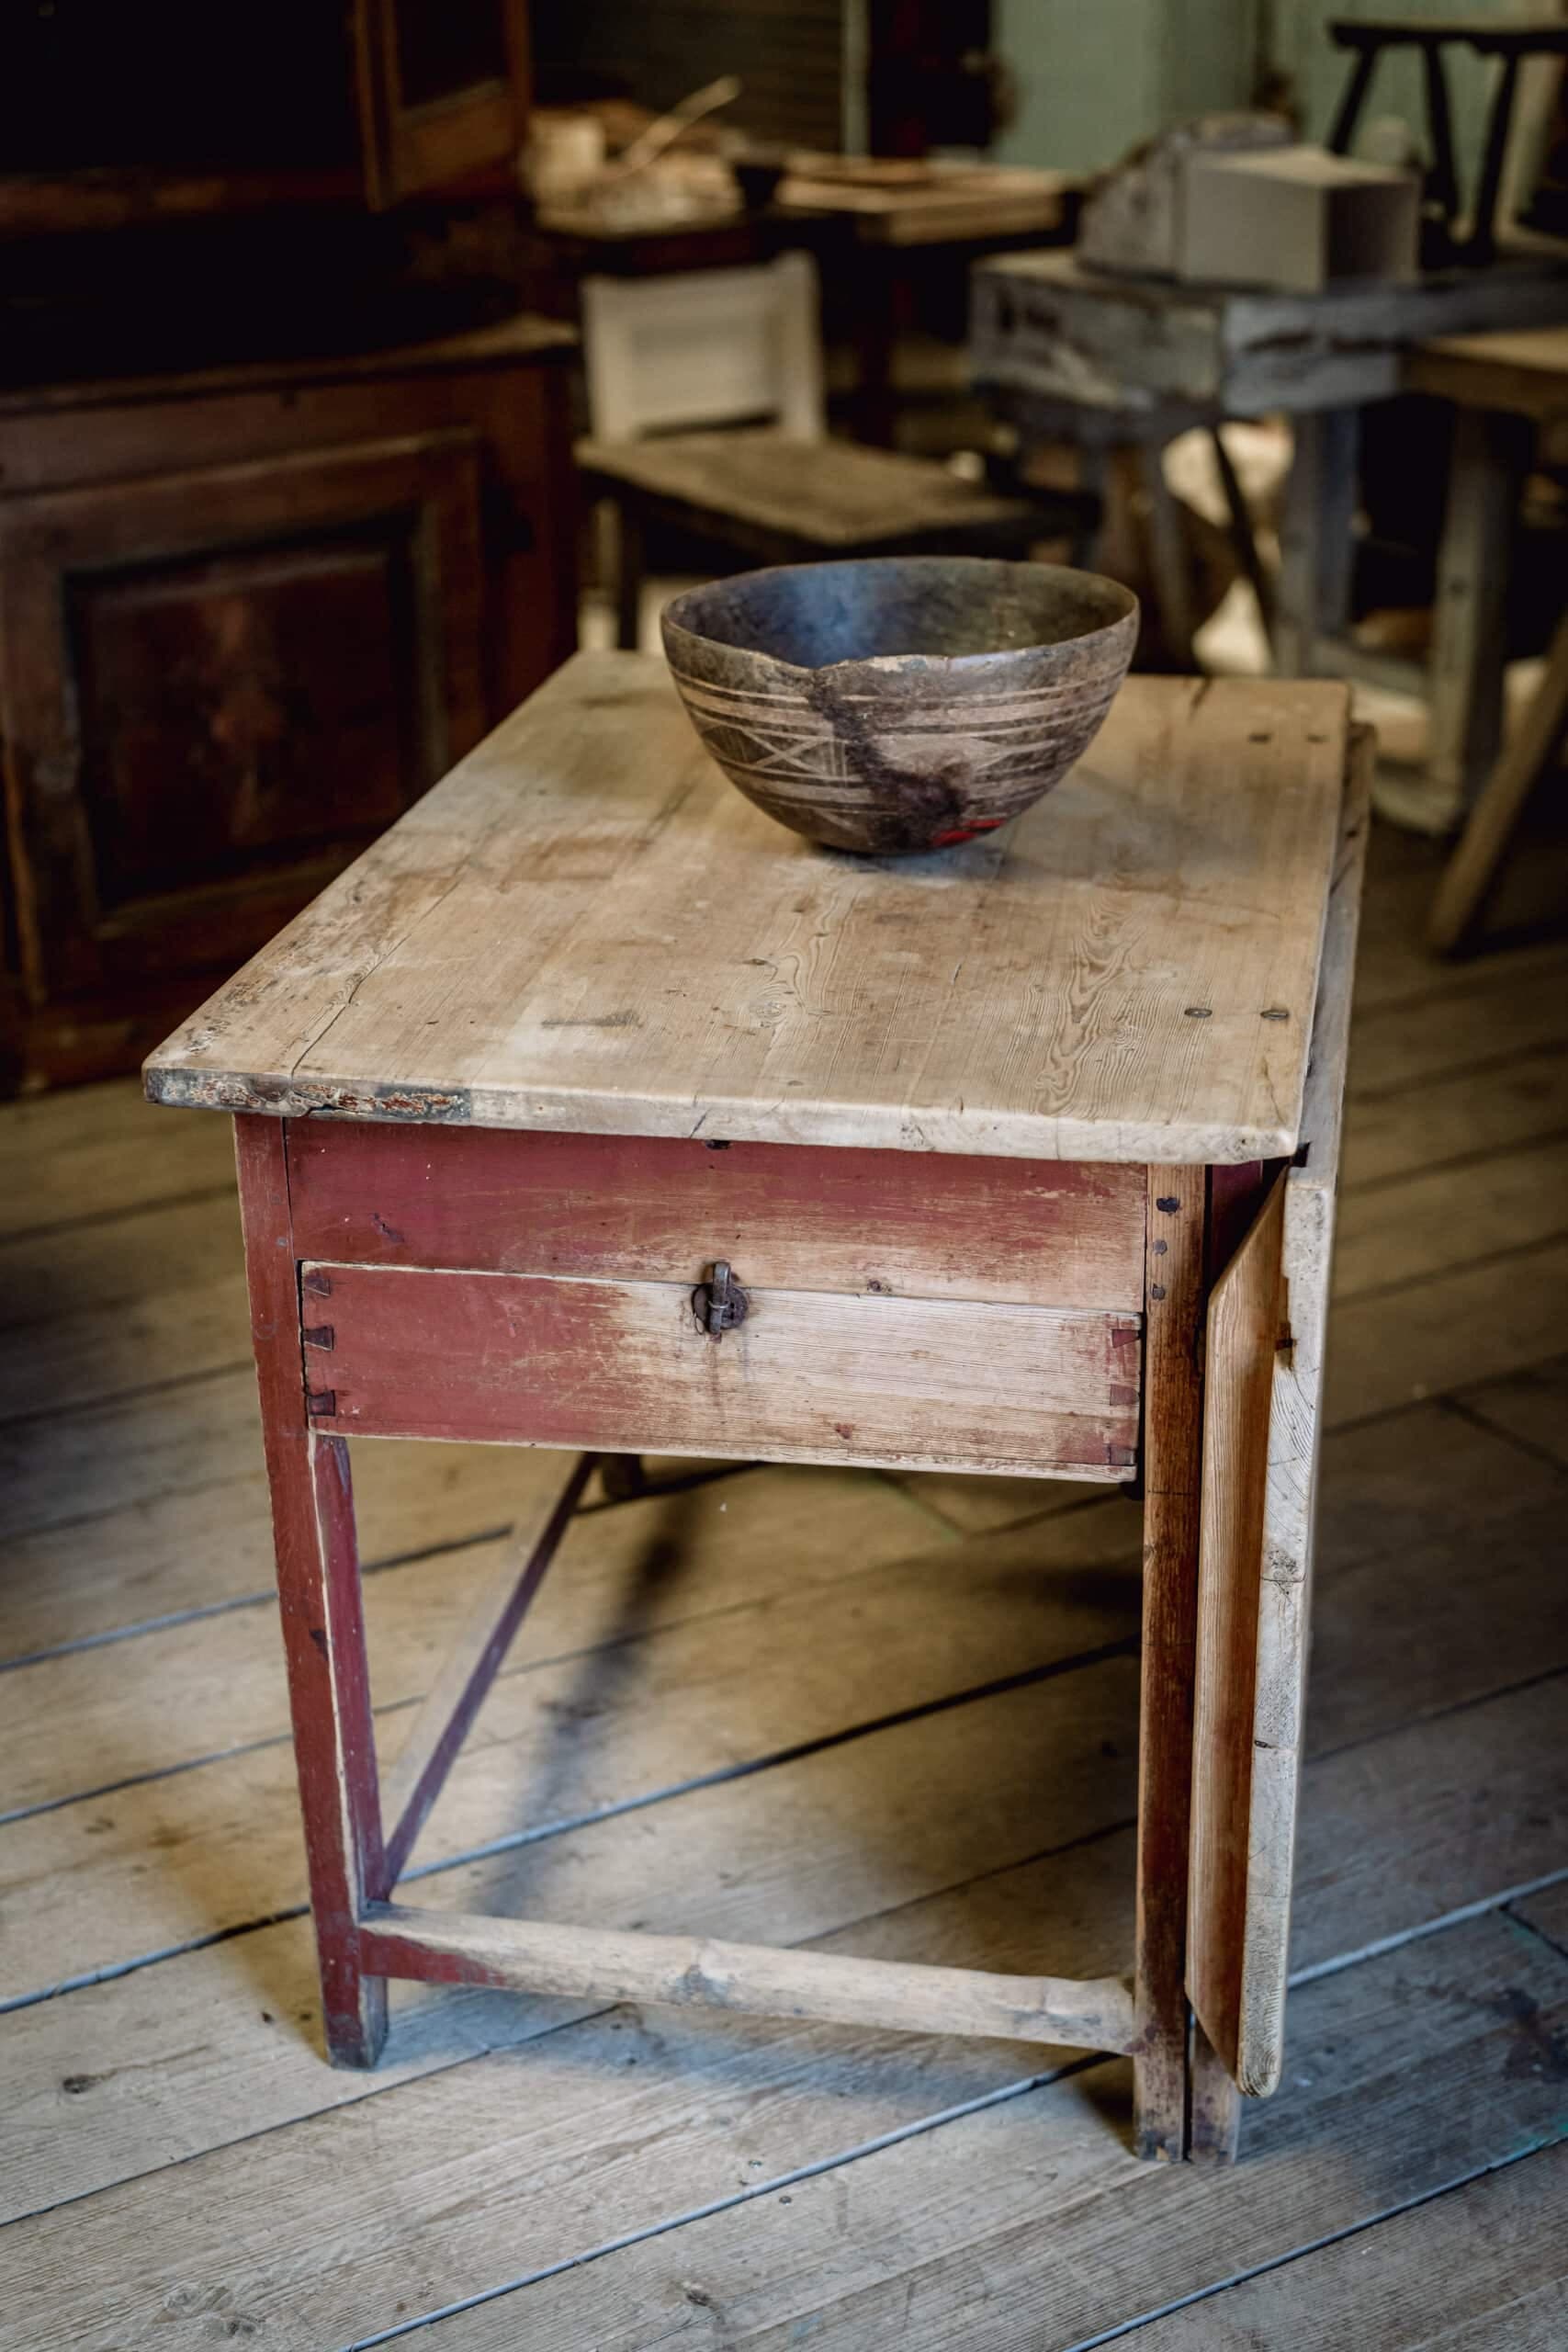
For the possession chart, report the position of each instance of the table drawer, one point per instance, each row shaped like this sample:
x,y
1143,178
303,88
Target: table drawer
x,y
904,1224
809,1377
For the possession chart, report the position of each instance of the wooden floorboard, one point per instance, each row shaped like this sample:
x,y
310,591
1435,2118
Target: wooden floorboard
x,y
891,1716
1025,2223
1479,2267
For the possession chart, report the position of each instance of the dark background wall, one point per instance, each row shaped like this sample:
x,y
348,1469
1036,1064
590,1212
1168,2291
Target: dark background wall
x,y
788,53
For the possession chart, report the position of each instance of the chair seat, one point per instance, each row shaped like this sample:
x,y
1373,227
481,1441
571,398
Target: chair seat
x,y
833,494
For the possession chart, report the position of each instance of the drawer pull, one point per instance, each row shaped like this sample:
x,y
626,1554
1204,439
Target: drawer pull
x,y
719,1303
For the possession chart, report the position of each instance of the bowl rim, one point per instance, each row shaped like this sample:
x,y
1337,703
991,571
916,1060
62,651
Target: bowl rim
x,y
671,621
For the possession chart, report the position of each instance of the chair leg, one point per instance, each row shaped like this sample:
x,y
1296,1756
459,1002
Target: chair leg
x,y
629,579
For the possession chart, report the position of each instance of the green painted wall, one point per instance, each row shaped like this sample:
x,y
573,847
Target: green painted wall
x,y
1095,76
1300,46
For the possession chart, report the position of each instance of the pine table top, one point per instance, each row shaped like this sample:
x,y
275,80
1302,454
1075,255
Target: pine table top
x,y
585,927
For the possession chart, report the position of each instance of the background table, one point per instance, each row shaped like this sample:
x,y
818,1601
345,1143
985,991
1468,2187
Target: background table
x,y
867,241
1079,355
1024,1155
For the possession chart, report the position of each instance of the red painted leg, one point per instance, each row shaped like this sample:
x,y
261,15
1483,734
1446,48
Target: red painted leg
x,y
324,1627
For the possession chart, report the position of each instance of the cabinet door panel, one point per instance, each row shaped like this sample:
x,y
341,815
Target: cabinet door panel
x,y
219,685
442,91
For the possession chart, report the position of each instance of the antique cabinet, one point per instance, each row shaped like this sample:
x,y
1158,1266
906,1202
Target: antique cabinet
x,y
111,112
246,618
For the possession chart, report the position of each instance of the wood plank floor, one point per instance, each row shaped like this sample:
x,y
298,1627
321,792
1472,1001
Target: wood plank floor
x,y
872,1714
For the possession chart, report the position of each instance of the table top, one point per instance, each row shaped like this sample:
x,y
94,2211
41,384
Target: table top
x,y
949,203
585,927
1044,326
1525,372
937,204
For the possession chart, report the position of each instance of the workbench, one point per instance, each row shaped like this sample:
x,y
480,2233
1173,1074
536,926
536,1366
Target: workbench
x,y
591,1110
1108,361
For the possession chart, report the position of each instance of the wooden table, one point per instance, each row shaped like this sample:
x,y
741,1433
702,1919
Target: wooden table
x,y
1079,355
591,1110
1510,389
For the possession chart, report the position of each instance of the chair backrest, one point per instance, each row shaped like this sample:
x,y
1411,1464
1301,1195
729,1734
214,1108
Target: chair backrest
x,y
705,346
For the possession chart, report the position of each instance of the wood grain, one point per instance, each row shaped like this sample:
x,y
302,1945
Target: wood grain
x,y
680,1972
1263,1431
1172,1468
947,2238
1243,1336
1045,1233
519,2165
627,1368
837,496
585,928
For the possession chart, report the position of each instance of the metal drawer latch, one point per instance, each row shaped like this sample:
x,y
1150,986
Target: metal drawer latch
x,y
719,1303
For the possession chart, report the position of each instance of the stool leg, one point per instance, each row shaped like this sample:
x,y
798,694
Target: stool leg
x,y
1173,1473
1349,113
323,1624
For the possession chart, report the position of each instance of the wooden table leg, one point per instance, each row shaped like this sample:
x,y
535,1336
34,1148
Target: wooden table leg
x,y
1490,453
1215,2124
323,1626
1213,2117
1173,1471
1170,559
1313,599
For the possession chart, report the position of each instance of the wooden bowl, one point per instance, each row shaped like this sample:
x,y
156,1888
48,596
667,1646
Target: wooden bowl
x,y
903,703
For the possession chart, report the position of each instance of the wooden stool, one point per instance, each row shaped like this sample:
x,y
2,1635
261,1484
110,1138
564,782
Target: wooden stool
x,y
591,1110
1489,36
712,346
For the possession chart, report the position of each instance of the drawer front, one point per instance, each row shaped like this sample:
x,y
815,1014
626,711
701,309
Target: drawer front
x,y
809,1377
897,1224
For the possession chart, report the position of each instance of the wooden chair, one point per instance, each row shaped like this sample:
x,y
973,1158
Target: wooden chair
x,y
718,350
